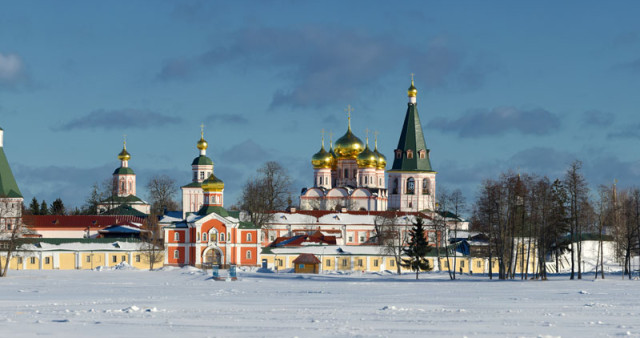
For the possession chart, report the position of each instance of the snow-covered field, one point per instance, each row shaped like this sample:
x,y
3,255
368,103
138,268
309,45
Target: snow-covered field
x,y
186,303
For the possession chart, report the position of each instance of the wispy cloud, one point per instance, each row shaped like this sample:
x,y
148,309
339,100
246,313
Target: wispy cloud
x,y
627,132
500,120
328,65
632,66
226,119
13,73
120,119
597,118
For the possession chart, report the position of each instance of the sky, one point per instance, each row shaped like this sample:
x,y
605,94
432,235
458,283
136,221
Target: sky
x,y
527,86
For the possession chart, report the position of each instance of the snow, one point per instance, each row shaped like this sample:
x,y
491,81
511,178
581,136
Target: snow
x,y
187,302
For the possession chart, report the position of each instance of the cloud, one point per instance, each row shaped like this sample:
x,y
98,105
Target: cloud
x,y
480,123
120,119
627,132
13,74
597,118
328,65
631,66
247,152
625,39
226,119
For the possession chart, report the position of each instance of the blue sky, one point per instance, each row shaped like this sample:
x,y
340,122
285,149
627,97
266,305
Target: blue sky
x,y
502,85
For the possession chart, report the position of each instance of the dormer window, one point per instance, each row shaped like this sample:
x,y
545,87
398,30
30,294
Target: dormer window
x,y
422,154
409,154
398,153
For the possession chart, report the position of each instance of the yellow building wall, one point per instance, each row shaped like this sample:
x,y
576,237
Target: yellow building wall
x,y
33,263
67,261
344,263
117,258
13,263
141,261
372,263
46,266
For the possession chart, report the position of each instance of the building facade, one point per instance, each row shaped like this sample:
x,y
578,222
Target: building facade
x,y
10,196
202,168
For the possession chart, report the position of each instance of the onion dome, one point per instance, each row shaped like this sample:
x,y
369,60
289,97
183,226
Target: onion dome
x,y
322,159
367,158
382,161
202,144
349,145
412,92
124,154
212,184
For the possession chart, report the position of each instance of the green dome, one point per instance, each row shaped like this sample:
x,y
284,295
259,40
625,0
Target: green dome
x,y
202,160
124,171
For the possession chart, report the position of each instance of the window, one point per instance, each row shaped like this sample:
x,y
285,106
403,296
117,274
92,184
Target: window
x,y
422,154
124,258
176,236
222,237
360,262
328,264
350,239
301,266
344,262
425,187
195,175
114,259
411,186
9,226
19,260
398,153
462,264
32,260
395,186
204,236
88,259
198,236
202,175
375,262
176,254
392,263
249,237
478,264
47,260
409,154
361,239
137,258
346,173
247,255
355,173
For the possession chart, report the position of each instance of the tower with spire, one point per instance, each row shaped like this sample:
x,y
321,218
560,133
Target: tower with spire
x,y
201,168
412,181
350,175
10,196
123,199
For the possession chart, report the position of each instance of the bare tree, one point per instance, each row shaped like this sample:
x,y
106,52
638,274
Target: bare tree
x,y
265,193
391,235
577,191
162,190
12,232
152,241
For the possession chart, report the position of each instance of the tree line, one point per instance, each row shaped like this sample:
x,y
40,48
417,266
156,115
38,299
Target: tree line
x,y
525,215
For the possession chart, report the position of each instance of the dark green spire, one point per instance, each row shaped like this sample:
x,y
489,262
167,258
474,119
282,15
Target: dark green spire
x,y
407,156
8,185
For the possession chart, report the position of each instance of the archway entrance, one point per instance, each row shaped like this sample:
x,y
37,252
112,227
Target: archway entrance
x,y
212,256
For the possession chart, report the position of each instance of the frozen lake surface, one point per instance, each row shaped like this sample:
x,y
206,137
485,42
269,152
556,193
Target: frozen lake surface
x,y
186,302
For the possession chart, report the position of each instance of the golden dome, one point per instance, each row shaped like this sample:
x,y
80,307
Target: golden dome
x,y
322,159
348,146
412,92
124,154
382,161
367,159
202,144
212,184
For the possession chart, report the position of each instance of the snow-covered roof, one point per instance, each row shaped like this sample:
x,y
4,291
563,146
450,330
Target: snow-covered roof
x,y
87,246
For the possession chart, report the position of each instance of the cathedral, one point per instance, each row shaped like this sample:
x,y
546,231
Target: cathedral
x,y
351,176
10,195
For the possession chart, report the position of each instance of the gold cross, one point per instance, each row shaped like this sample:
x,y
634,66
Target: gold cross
x,y
349,110
375,135
412,77
322,137
202,129
125,140
366,131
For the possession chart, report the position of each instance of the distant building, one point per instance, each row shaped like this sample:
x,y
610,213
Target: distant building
x,y
202,168
123,193
10,195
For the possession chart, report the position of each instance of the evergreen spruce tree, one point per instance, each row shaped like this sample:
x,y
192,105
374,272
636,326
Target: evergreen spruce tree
x,y
34,207
57,207
44,209
417,249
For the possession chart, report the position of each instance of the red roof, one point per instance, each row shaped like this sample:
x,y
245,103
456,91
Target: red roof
x,y
80,222
306,258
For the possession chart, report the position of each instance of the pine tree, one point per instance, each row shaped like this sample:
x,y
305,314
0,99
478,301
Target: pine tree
x,y
57,207
34,207
44,209
417,249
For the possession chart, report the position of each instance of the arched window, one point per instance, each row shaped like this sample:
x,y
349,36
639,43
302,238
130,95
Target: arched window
x,y
202,175
176,236
422,154
346,173
411,186
398,153
395,185
176,254
204,236
222,237
409,154
249,237
247,254
425,187
122,185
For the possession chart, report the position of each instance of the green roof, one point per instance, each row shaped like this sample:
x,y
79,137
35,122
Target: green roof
x,y
124,171
193,185
412,139
208,209
125,210
8,185
248,225
123,199
202,160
